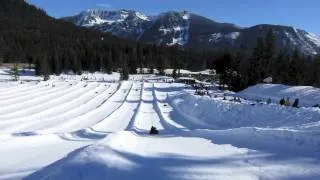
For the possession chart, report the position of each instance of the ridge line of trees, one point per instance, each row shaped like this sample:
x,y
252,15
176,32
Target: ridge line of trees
x,y
239,69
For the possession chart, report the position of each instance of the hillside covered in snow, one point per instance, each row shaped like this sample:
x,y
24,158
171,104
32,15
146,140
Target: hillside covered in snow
x,y
191,30
93,126
307,95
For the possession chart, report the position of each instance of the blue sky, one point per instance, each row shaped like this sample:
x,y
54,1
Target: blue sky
x,y
302,14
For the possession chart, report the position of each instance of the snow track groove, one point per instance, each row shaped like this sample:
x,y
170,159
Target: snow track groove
x,y
71,113
37,92
94,116
37,99
54,112
54,102
35,89
122,116
96,128
30,89
147,116
10,88
116,121
19,89
166,111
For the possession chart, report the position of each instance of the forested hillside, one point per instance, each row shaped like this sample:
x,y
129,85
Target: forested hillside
x,y
194,31
28,34
239,69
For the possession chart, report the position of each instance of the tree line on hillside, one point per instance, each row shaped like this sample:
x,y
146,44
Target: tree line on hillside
x,y
29,35
239,69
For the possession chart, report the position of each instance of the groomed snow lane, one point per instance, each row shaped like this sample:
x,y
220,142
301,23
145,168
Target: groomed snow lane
x,y
147,115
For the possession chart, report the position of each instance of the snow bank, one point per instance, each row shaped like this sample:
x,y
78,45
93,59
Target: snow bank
x,y
126,155
91,77
307,95
265,127
93,162
24,75
184,71
204,112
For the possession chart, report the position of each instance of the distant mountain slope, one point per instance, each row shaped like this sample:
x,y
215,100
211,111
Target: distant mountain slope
x,y
123,23
28,35
287,37
191,30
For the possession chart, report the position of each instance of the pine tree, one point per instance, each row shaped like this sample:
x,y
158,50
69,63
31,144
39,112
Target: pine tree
x,y
280,68
174,73
45,68
15,72
124,72
29,59
269,53
223,66
75,63
160,65
294,72
38,67
132,61
256,69
316,71
108,62
140,57
151,70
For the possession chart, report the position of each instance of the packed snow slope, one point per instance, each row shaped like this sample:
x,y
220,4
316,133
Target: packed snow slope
x,y
307,95
95,127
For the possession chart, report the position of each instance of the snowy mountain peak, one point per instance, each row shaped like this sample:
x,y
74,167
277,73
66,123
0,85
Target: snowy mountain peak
x,y
94,17
314,38
142,16
305,41
186,29
173,28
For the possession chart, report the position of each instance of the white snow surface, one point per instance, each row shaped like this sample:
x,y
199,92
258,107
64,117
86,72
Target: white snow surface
x,y
216,37
233,35
307,40
179,32
314,38
187,72
93,17
142,16
186,16
179,41
94,127
307,95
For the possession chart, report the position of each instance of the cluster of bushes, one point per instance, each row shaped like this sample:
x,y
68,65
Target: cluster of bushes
x,y
237,99
286,102
269,101
316,106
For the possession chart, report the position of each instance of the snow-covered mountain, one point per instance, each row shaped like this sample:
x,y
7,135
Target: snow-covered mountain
x,y
191,30
286,36
171,28
124,23
94,17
